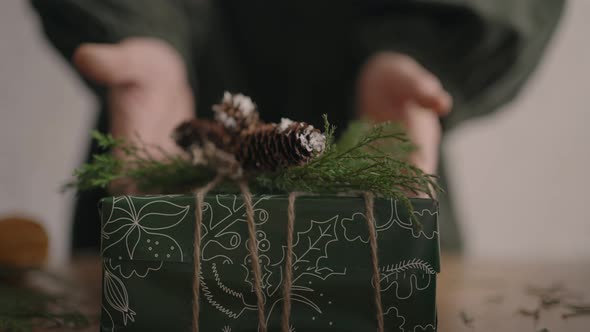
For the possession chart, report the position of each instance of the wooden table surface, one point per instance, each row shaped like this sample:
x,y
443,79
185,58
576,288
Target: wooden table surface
x,y
472,296
503,296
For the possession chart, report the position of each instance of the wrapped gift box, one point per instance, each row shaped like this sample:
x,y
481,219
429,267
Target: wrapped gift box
x,y
147,250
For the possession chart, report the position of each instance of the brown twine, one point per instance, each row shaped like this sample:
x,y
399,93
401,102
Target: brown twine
x,y
289,263
199,201
369,203
253,247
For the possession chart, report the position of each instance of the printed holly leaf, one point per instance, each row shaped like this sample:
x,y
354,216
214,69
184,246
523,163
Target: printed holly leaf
x,y
310,248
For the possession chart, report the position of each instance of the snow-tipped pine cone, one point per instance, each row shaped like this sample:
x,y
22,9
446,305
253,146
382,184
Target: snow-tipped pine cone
x,y
197,132
270,146
237,138
236,112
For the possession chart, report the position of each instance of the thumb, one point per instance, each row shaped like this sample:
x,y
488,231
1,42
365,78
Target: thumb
x,y
104,63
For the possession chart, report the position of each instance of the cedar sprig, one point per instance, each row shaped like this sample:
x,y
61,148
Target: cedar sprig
x,y
363,159
166,174
367,157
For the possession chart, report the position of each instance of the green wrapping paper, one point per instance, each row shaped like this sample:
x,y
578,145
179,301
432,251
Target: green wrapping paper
x,y
147,250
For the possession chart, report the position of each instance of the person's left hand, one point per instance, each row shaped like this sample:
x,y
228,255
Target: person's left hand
x,y
394,87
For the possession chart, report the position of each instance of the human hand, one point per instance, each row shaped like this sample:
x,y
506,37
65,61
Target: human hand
x,y
148,91
394,87
149,94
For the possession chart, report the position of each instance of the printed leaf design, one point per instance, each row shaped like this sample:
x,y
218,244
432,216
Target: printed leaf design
x,y
219,234
116,295
266,273
393,275
263,245
134,223
310,248
226,300
415,264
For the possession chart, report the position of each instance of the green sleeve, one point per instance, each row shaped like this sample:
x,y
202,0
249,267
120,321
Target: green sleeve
x,y
69,23
483,51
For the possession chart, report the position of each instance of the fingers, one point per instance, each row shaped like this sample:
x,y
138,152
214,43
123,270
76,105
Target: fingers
x,y
396,79
394,87
411,82
138,60
108,64
424,131
428,92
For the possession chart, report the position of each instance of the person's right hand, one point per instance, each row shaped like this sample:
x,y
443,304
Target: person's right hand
x,y
149,93
395,87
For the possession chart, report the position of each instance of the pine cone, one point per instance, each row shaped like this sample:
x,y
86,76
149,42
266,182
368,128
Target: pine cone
x,y
238,141
236,113
197,132
270,146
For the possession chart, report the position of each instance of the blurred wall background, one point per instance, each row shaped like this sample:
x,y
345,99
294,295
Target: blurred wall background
x,y
520,177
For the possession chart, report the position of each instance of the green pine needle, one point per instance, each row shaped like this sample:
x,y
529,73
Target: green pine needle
x,y
367,157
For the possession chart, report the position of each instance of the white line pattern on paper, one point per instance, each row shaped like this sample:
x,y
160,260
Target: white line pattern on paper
x,y
351,224
129,228
389,312
408,225
415,264
310,254
134,272
116,295
311,251
216,230
110,318
392,275
223,287
353,219
425,328
220,307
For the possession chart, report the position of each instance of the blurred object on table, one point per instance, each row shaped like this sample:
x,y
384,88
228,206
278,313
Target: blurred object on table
x,y
24,243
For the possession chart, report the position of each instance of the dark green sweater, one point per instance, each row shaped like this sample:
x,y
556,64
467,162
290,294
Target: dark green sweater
x,y
300,59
